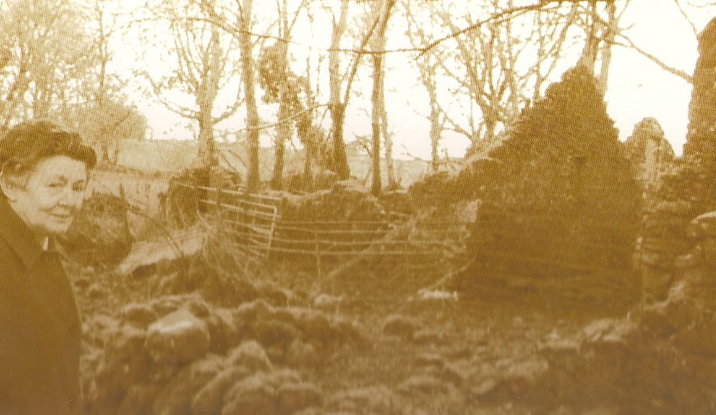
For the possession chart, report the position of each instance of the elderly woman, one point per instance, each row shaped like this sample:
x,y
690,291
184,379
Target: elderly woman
x,y
43,176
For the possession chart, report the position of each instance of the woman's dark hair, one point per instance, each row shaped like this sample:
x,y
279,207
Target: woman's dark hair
x,y
27,143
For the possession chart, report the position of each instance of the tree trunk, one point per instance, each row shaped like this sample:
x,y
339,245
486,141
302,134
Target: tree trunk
x,y
427,77
205,101
375,124
340,161
308,173
610,32
382,12
207,151
303,129
283,134
252,116
591,45
435,128
376,115
389,162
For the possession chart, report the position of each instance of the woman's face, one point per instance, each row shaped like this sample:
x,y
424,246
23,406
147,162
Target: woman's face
x,y
52,195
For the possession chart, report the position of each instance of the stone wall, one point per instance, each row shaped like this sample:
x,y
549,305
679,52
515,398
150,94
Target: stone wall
x,y
687,190
649,153
558,196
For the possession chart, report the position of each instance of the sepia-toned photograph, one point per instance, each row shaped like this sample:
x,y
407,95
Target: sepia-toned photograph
x,y
357,207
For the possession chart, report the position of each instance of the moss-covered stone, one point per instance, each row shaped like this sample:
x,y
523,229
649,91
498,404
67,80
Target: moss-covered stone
x,y
649,153
100,233
558,196
691,181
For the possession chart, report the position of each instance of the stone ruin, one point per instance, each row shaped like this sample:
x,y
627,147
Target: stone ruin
x,y
661,358
650,153
558,201
687,189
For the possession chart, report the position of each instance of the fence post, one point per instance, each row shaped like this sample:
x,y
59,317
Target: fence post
x,y
318,253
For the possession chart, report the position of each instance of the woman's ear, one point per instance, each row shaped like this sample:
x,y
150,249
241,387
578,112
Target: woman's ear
x,y
9,186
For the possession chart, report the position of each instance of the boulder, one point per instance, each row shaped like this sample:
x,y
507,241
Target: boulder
x,y
251,396
223,330
400,326
315,326
210,398
371,400
100,233
302,354
176,396
251,355
178,337
139,399
138,314
124,363
275,332
293,397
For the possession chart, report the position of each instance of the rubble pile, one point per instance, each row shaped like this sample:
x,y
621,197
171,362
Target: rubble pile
x,y
613,366
661,359
345,201
181,355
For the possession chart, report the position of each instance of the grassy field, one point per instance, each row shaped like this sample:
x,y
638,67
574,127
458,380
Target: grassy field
x,y
166,157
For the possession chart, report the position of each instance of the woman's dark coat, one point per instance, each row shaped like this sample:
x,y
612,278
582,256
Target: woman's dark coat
x,y
39,326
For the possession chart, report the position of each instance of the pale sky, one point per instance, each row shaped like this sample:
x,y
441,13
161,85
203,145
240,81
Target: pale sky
x,y
637,87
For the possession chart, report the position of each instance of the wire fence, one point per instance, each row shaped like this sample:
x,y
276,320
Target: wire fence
x,y
520,245
252,224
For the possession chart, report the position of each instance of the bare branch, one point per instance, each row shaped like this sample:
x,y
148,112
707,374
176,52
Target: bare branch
x,y
234,31
375,52
686,16
497,16
670,69
285,120
238,102
356,59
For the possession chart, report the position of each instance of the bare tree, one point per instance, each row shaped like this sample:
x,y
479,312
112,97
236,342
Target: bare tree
x,y
103,117
46,53
507,52
252,117
238,21
336,105
601,26
427,72
381,12
203,68
283,86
